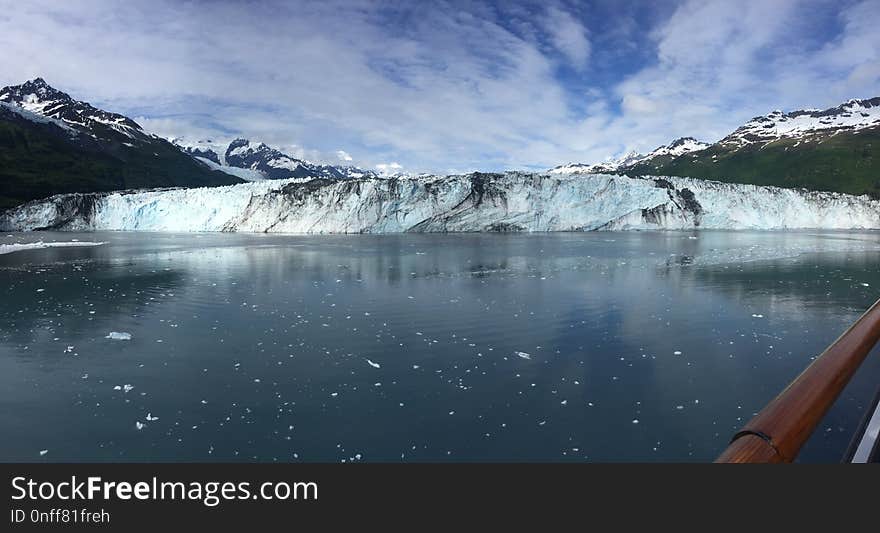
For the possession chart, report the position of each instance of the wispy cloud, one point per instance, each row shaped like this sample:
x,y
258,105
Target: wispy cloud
x,y
568,35
451,84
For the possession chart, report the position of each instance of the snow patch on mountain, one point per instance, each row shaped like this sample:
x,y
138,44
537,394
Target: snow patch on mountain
x,y
35,117
246,174
203,148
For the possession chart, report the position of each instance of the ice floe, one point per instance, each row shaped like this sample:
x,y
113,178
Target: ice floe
x,y
17,247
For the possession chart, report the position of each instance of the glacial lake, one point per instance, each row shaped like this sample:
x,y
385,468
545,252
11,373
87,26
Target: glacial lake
x,y
639,346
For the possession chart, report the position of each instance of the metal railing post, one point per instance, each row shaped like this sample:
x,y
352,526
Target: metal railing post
x,y
777,433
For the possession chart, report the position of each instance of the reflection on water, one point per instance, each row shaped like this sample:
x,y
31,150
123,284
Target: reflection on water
x,y
599,347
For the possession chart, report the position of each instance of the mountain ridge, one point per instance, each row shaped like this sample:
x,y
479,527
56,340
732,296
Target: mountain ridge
x,y
261,161
51,143
835,149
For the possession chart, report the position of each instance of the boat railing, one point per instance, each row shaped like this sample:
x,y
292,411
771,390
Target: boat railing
x,y
777,433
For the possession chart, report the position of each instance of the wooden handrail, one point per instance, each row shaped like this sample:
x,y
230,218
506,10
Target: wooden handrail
x,y
776,434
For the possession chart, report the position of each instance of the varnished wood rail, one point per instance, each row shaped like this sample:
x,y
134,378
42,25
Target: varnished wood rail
x,y
777,433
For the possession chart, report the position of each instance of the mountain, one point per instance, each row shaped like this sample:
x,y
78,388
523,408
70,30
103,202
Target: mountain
x,y
807,125
836,149
510,202
676,148
51,143
254,161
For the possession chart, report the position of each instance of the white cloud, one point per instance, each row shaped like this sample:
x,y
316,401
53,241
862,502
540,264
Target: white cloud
x,y
638,104
568,35
342,155
721,63
453,87
389,168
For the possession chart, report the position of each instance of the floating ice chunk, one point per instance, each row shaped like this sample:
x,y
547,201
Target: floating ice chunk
x,y
374,365
139,425
757,315
676,352
119,336
43,452
40,290
635,421
524,355
117,387
127,387
9,248
564,402
150,417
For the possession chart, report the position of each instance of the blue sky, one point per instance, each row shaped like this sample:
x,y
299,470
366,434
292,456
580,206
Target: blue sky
x,y
447,86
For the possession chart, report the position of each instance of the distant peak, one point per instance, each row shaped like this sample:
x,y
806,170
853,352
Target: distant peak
x,y
238,142
40,83
37,86
37,96
863,102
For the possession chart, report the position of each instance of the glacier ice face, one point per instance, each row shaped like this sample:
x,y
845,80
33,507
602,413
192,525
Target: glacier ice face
x,y
514,201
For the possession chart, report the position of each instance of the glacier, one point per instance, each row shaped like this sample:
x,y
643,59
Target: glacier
x,y
476,202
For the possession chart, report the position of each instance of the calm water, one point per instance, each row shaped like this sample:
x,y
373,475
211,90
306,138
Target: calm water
x,y
560,347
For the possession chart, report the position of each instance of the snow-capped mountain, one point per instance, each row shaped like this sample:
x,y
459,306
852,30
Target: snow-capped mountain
x,y
681,146
254,161
209,149
676,148
52,143
513,201
853,115
836,149
38,97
